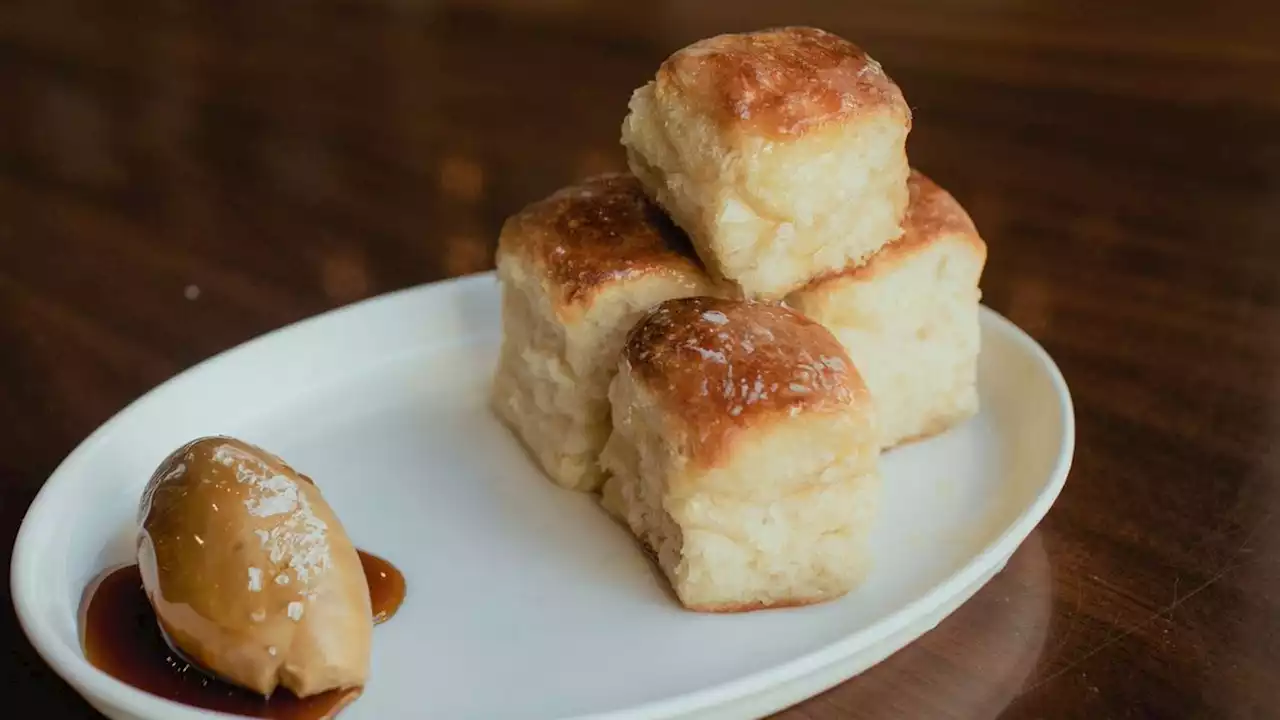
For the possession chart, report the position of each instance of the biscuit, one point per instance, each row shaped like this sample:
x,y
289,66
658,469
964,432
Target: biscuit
x,y
909,317
782,153
743,454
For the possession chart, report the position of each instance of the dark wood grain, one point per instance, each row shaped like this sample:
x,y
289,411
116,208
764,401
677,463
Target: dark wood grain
x,y
176,178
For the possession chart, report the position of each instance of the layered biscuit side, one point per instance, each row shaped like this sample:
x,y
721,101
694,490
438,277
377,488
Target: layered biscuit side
x,y
909,317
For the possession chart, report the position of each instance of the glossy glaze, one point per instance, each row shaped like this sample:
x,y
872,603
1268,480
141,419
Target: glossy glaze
x,y
175,179
780,82
721,368
594,234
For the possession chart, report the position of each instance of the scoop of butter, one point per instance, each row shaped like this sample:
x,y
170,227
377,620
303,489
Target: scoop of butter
x,y
250,573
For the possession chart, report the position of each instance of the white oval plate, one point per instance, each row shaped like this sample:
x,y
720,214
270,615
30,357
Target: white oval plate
x,y
526,601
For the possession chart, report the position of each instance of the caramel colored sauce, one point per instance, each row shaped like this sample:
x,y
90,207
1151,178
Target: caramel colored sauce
x,y
386,586
121,637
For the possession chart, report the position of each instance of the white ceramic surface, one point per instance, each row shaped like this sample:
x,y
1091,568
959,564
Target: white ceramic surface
x,y
526,601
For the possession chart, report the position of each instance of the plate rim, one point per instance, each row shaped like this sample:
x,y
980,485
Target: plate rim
x,y
97,686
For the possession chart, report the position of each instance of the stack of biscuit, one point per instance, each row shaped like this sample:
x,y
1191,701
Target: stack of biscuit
x,y
722,341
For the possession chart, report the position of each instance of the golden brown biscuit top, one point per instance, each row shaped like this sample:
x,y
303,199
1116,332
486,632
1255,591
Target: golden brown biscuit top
x,y
599,231
784,81
932,214
721,364
932,211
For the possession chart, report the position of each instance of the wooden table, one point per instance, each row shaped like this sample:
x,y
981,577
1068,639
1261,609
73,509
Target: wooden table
x,y
174,181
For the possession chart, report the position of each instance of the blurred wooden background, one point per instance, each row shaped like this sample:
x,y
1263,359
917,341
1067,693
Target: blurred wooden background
x,y
176,178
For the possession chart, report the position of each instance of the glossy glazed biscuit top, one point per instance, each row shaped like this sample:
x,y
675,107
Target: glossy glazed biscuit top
x,y
720,365
784,81
599,231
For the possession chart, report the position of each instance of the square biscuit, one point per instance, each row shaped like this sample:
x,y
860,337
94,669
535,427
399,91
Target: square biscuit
x,y
576,270
909,317
782,153
743,455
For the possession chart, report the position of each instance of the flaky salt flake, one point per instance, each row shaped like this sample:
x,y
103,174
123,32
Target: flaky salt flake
x,y
715,317
178,471
713,355
226,455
